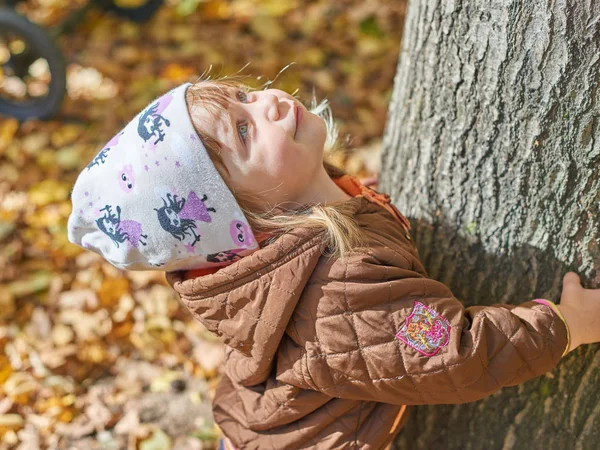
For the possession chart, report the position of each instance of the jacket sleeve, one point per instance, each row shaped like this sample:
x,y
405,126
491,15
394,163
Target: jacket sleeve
x,y
410,341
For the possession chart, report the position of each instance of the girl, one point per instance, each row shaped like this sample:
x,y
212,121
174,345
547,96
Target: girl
x,y
330,323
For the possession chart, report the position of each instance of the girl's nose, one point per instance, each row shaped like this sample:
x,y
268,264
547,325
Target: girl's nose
x,y
271,103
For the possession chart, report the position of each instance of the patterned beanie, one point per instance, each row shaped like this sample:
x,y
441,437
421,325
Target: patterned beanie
x,y
152,199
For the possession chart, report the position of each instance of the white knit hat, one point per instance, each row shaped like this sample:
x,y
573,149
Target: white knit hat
x,y
152,198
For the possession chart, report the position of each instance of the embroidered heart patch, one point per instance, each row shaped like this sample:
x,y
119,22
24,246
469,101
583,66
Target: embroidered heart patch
x,y
425,330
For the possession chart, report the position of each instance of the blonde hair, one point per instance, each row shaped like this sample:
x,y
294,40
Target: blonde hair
x,y
336,220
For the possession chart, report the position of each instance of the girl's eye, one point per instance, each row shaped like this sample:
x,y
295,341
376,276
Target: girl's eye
x,y
242,96
243,129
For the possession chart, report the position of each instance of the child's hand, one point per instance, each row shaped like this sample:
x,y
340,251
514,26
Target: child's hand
x,y
581,309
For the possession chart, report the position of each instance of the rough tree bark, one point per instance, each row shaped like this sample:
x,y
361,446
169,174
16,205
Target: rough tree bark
x,y
492,149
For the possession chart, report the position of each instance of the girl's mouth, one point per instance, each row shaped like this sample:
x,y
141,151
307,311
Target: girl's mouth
x,y
298,115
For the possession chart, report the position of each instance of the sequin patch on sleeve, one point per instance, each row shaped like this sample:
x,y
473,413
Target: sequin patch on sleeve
x,y
425,330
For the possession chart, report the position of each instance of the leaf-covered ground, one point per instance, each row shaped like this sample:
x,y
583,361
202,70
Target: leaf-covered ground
x,y
93,357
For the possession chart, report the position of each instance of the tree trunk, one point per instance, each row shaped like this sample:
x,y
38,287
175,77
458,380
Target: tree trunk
x,y
492,149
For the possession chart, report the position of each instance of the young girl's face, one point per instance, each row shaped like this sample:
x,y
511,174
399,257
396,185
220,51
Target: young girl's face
x,y
273,146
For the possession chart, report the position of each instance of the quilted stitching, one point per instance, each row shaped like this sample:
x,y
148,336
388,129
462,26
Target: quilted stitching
x,y
383,244
445,367
222,280
370,378
397,343
252,318
336,296
353,323
441,355
526,362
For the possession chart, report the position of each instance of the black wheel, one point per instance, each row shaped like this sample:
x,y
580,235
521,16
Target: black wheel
x,y
32,69
140,13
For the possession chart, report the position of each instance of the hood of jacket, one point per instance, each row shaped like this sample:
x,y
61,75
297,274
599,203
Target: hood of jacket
x,y
249,303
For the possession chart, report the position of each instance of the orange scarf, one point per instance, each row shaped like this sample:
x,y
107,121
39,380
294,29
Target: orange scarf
x,y
352,186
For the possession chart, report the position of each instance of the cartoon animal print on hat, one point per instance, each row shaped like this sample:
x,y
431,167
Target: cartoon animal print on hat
x,y
241,234
101,156
127,178
151,121
120,231
195,208
179,216
160,195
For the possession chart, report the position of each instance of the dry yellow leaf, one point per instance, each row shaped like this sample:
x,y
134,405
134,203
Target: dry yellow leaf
x,y
87,326
215,10
43,405
314,57
121,330
112,290
158,441
195,397
167,336
324,80
8,128
65,135
66,416
35,142
11,421
49,191
62,334
268,28
163,383
177,72
46,217
58,356
253,8
9,437
68,400
276,8
5,370
93,352
7,307
369,46
158,323
70,156
127,54
20,386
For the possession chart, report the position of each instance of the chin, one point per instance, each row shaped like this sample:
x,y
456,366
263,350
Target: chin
x,y
313,132
319,132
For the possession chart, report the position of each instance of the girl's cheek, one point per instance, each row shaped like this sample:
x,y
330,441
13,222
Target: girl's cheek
x,y
278,141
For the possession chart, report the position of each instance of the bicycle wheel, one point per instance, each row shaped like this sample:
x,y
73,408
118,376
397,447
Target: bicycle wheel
x,y
140,13
32,69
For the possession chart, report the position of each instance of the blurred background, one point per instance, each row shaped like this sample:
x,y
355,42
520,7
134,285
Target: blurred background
x,y
92,357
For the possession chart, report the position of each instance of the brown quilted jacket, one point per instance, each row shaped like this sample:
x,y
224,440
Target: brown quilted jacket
x,y
319,351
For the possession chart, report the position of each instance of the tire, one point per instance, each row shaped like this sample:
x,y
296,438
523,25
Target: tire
x,y
140,14
41,45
